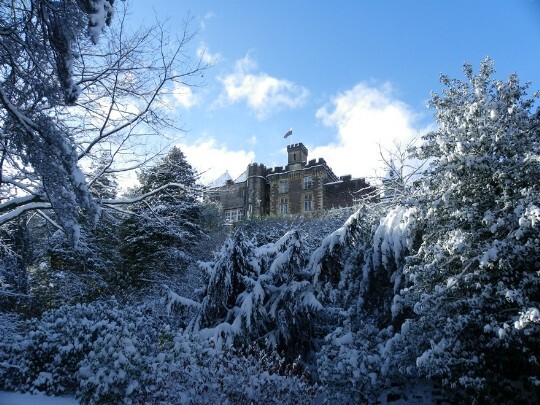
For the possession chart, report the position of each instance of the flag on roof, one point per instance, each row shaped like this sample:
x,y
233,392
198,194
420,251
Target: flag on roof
x,y
288,133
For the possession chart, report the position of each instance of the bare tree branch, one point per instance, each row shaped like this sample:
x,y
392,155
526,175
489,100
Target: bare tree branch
x,y
66,101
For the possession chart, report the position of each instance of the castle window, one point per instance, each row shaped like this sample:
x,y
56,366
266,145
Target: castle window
x,y
284,206
308,202
308,182
283,186
234,215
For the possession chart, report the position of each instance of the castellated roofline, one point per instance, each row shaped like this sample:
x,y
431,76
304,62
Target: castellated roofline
x,y
315,162
296,145
257,192
312,163
256,169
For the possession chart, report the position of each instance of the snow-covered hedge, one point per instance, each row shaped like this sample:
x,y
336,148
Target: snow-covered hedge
x,y
203,374
53,354
109,354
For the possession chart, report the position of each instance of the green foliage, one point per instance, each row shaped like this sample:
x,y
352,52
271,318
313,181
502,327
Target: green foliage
x,y
477,267
161,234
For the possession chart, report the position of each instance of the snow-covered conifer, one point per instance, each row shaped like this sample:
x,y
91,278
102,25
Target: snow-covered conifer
x,y
164,228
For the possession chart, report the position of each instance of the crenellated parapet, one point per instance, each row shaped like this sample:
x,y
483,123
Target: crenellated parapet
x,y
277,169
256,169
294,146
297,153
316,162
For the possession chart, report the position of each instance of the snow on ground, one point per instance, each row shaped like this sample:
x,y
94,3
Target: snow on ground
x,y
18,398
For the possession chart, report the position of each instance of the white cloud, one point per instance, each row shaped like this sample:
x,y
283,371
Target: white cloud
x,y
252,140
204,54
262,93
365,117
212,160
185,96
207,17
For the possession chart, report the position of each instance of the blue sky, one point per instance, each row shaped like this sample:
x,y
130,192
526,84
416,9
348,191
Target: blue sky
x,y
346,75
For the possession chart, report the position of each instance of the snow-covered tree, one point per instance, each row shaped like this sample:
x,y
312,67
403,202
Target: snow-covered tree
x,y
449,289
63,273
400,171
14,257
475,274
163,230
336,265
226,279
363,304
74,83
257,294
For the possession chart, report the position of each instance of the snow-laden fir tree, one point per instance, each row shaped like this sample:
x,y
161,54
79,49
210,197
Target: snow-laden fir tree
x,y
160,234
257,294
353,362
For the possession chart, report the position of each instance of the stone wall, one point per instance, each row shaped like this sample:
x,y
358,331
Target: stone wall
x,y
345,192
230,195
296,191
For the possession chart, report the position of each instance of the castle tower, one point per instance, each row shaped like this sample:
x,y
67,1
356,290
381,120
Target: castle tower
x,y
256,190
298,154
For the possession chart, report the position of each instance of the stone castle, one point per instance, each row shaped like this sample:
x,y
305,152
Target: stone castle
x,y
300,187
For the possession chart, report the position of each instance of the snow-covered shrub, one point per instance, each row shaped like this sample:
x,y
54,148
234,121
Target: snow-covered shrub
x,y
127,361
44,356
102,351
108,354
203,374
349,364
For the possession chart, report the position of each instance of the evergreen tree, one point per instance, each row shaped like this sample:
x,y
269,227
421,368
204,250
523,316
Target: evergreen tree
x,y
255,294
64,273
227,277
475,276
161,234
14,262
449,289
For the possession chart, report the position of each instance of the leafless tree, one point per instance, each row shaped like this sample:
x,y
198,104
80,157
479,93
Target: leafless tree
x,y
400,169
76,87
